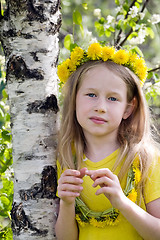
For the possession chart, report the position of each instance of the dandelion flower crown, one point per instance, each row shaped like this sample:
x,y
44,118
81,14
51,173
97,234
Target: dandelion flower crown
x,y
98,52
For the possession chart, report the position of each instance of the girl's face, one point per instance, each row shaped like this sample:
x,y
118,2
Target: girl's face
x,y
101,103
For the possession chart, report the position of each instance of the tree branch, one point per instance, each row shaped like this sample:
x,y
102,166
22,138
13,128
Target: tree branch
x,y
154,69
120,31
131,30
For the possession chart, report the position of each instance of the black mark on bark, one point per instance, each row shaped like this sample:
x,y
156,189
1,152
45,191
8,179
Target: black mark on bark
x,y
39,106
54,28
12,33
55,7
45,189
35,13
17,67
19,92
31,156
21,221
9,33
34,55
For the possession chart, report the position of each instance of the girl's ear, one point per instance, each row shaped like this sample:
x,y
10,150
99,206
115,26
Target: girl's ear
x,y
129,109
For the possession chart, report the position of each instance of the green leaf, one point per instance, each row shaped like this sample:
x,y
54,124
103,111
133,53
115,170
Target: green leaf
x,y
67,41
100,29
117,2
137,5
5,201
150,75
4,93
85,6
1,113
112,29
82,30
126,7
138,50
102,20
7,117
107,33
133,34
6,135
150,32
118,26
132,23
72,46
77,17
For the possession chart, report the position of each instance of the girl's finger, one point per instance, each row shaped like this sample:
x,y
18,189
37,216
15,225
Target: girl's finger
x,y
83,172
104,190
71,188
102,181
71,172
94,174
70,179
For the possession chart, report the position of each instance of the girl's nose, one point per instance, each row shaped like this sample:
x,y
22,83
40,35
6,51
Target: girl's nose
x,y
101,105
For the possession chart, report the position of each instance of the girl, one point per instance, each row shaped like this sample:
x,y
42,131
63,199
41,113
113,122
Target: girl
x,y
108,167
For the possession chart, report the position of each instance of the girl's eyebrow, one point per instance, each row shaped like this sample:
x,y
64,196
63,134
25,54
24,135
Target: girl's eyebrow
x,y
91,89
109,91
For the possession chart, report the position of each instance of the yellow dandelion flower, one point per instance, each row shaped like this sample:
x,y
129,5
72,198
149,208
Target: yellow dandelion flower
x,y
139,64
111,222
100,224
132,195
93,222
132,57
63,72
94,51
71,65
79,221
140,68
121,57
107,53
142,73
77,55
137,175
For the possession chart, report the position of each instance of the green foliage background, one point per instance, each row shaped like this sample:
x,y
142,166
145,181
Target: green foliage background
x,y
86,25
82,23
6,171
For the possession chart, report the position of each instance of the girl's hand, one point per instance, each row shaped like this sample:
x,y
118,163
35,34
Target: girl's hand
x,y
109,185
70,185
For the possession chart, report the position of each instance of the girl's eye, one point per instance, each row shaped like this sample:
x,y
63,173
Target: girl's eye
x,y
91,95
113,99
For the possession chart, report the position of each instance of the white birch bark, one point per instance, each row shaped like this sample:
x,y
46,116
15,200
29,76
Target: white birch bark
x,y
29,35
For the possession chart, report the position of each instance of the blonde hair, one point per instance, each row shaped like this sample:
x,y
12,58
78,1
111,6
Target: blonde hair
x,y
134,135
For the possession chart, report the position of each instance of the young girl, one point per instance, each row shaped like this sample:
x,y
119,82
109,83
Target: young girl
x,y
108,166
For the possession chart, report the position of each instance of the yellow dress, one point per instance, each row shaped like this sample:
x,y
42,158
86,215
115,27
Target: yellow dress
x,y
123,229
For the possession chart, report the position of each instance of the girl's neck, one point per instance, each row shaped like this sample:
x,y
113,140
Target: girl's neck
x,y
96,151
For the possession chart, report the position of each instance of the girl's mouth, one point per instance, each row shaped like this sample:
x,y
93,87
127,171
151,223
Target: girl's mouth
x,y
98,120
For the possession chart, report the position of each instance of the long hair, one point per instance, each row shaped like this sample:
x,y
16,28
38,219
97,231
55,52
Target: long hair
x,y
134,134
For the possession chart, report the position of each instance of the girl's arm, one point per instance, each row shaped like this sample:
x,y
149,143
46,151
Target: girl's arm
x,y
66,227
147,223
69,187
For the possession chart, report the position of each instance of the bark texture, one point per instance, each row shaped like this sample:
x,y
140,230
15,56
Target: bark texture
x,y
29,35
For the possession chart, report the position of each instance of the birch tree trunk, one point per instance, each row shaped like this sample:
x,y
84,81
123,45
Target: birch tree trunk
x,y
29,35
